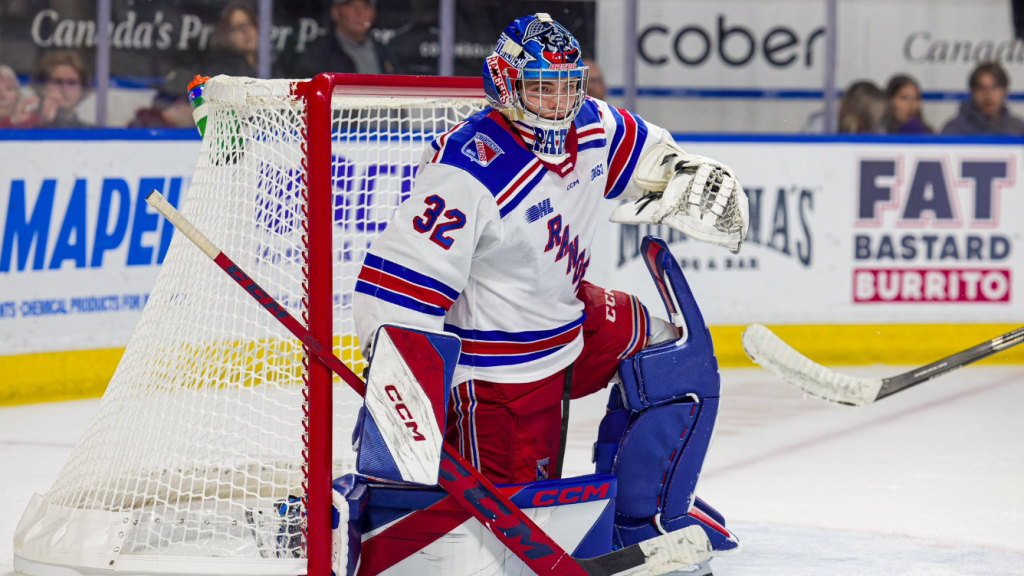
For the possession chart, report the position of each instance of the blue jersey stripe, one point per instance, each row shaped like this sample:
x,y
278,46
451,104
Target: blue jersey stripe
x,y
620,130
492,361
588,115
634,156
398,299
517,337
599,143
409,275
641,137
511,204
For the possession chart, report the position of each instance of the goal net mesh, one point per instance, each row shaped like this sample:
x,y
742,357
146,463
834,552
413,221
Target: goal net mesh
x,y
200,432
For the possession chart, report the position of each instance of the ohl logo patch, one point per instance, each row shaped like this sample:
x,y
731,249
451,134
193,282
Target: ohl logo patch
x,y
534,213
481,149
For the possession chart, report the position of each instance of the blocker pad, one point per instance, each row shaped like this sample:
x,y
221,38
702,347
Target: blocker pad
x,y
403,417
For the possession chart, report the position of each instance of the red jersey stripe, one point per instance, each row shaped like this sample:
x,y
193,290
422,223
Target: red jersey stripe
x,y
621,156
534,166
495,348
395,284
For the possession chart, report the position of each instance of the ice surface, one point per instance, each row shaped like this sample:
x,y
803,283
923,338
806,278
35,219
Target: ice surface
x,y
927,482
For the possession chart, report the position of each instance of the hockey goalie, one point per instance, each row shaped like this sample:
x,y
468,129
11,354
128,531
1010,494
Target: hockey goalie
x,y
492,247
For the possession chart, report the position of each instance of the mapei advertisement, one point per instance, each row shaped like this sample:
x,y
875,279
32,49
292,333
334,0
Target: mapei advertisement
x,y
79,247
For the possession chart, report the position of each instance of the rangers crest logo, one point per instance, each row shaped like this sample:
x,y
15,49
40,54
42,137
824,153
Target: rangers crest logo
x,y
481,149
542,469
557,46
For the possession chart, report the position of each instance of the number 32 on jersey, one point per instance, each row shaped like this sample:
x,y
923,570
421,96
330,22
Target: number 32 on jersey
x,y
455,219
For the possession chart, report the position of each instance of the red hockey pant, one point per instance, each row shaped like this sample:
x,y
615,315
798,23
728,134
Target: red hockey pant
x,y
511,432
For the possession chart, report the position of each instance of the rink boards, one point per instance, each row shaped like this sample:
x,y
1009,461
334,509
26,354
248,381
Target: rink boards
x,y
861,250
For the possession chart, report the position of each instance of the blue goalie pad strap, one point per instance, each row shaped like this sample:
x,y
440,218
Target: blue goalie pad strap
x,y
667,373
604,456
404,413
609,434
615,400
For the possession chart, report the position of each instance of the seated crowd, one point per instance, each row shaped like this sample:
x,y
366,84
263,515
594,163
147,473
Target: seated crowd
x,y
867,109
62,77
61,80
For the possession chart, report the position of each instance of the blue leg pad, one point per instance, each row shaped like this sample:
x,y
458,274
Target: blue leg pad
x,y
659,461
660,422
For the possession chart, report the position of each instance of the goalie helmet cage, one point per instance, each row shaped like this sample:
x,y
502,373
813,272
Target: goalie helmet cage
x,y
211,450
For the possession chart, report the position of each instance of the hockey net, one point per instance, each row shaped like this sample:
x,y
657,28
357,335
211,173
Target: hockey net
x,y
196,460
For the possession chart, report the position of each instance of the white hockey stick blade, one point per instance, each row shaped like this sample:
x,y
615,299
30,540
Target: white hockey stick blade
x,y
768,350
673,551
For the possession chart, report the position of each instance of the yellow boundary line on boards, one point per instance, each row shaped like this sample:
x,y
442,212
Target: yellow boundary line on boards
x,y
56,376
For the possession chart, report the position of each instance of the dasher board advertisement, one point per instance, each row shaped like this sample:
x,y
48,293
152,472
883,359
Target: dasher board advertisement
x,y
847,232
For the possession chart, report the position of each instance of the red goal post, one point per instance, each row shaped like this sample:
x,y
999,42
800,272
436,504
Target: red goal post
x,y
216,416
319,94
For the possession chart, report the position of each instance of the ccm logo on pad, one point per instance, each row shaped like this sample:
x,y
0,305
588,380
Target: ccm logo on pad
x,y
571,495
403,412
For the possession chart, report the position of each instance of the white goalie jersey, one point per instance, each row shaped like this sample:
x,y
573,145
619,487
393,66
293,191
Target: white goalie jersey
x,y
493,244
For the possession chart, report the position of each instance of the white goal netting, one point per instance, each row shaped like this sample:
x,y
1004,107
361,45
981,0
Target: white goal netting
x,y
198,440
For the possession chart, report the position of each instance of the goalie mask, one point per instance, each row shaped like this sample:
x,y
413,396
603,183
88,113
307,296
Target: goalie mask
x,y
536,78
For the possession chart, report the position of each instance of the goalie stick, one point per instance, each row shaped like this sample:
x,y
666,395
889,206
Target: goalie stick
x,y
468,486
768,350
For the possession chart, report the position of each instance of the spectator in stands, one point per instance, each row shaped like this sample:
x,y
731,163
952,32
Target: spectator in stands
x,y
171,108
903,107
350,48
14,110
985,112
861,108
61,77
595,82
237,40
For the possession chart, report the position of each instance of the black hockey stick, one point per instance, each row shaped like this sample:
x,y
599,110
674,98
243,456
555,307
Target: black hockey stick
x,y
466,484
768,350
